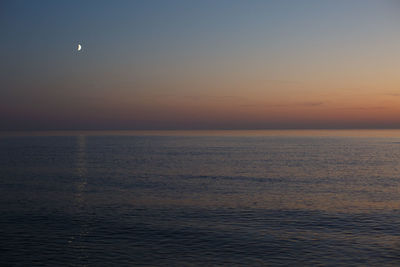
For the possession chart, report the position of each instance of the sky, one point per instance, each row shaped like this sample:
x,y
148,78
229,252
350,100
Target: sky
x,y
199,64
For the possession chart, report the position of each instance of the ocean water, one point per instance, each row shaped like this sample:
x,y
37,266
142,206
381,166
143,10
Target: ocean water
x,y
270,198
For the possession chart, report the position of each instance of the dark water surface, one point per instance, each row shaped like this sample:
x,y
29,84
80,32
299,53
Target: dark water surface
x,y
102,200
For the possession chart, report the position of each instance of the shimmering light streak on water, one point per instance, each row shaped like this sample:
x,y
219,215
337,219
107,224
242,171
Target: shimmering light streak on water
x,y
94,199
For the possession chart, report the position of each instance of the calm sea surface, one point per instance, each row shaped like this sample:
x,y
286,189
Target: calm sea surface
x,y
214,198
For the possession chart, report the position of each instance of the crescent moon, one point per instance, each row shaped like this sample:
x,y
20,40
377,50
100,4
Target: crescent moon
x,y
79,47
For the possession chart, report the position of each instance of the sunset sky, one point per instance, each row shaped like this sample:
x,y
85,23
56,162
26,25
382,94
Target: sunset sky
x,y
199,64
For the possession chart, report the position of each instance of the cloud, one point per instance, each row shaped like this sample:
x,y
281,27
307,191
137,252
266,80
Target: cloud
x,y
284,82
213,97
299,104
311,104
362,108
285,105
248,106
393,94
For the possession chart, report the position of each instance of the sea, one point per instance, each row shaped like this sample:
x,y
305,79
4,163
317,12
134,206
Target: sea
x,y
200,198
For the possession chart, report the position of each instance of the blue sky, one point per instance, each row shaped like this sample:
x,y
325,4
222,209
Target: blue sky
x,y
143,60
